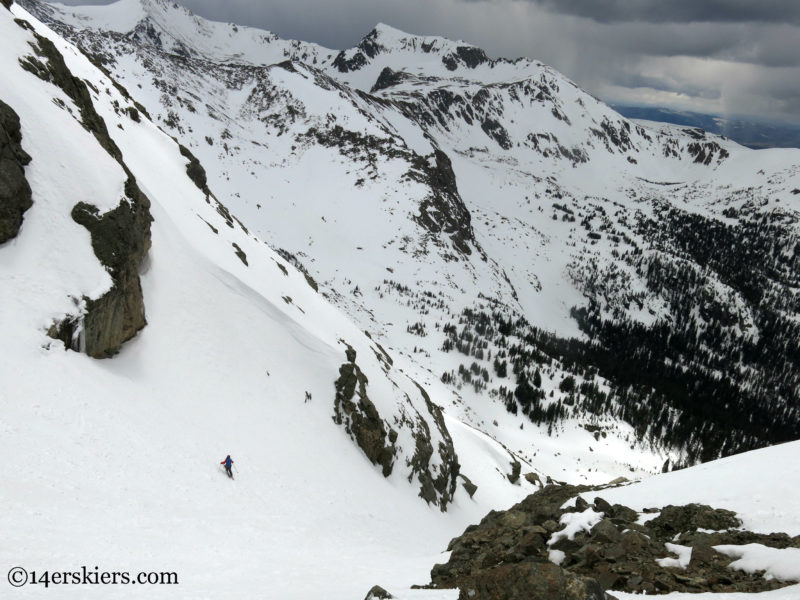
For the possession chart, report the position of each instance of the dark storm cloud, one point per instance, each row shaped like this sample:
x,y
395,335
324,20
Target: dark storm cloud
x,y
663,84
678,11
771,45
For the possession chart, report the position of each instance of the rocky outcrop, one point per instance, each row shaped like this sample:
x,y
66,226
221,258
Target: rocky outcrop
x,y
437,483
469,56
195,170
15,193
120,240
508,555
389,78
49,65
378,593
443,210
531,581
353,409
506,537
120,237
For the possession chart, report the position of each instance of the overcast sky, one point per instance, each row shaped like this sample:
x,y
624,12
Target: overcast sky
x,y
732,57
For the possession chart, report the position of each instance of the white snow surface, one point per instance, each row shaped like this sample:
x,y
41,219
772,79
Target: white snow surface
x,y
782,564
684,556
575,522
115,463
761,486
791,592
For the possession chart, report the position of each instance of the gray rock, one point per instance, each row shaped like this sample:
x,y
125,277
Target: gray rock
x,y
353,408
530,581
470,487
623,514
15,193
679,519
550,525
378,593
703,555
602,506
533,478
605,532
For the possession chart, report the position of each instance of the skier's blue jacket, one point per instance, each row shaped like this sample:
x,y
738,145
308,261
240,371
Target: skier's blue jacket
x,y
227,462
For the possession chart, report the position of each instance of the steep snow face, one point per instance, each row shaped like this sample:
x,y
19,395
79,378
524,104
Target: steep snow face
x,y
446,200
172,28
119,458
404,228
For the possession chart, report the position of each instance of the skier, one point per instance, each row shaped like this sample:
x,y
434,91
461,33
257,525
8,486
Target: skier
x,y
228,462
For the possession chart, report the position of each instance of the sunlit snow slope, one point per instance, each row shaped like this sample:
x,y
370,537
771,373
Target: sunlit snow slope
x,y
493,226
115,462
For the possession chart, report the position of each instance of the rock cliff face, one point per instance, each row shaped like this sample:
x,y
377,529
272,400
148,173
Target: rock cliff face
x,y
15,193
411,430
360,417
437,484
541,549
120,237
443,211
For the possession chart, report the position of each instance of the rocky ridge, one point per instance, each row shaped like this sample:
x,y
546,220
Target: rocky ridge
x,y
556,546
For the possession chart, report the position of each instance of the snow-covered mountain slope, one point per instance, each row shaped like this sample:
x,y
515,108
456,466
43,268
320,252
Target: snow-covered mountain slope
x,y
646,277
111,459
366,297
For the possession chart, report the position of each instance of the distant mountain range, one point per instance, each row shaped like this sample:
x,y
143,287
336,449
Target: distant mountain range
x,y
401,285
750,133
536,259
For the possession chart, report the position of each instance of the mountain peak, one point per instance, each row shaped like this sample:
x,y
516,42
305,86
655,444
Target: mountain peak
x,y
392,38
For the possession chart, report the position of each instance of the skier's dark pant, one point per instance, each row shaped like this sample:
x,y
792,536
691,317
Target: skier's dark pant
x,y
228,471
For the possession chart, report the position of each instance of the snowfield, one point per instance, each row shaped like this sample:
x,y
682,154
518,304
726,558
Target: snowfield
x,y
115,463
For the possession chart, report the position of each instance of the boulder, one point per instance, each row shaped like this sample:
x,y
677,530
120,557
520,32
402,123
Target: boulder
x,y
678,519
468,486
703,556
602,506
530,581
623,514
378,593
15,193
516,467
605,532
533,478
